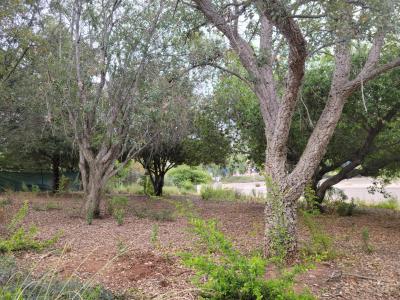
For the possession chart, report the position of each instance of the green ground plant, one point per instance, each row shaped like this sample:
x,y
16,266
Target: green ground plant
x,y
366,244
230,274
64,184
116,206
345,209
320,247
19,284
18,238
154,234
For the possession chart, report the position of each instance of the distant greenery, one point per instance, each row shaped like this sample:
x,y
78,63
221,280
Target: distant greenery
x,y
211,193
232,275
239,179
185,176
392,204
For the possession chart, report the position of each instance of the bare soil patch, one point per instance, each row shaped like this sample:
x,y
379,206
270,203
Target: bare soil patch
x,y
126,259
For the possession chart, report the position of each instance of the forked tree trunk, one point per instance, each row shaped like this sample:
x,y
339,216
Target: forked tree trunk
x,y
157,182
94,178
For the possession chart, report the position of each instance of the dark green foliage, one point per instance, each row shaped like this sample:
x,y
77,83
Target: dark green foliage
x,y
183,174
231,275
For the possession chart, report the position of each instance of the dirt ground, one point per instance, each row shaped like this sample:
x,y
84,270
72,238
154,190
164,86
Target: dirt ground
x,y
140,258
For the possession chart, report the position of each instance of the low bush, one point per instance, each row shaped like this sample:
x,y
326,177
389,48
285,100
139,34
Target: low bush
x,y
230,275
116,206
19,285
6,201
64,184
320,246
208,193
366,245
346,209
183,174
20,239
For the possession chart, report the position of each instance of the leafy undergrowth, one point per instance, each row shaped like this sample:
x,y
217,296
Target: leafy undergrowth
x,y
18,238
320,247
231,275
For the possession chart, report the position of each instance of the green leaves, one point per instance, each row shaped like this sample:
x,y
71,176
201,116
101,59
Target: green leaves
x,y
230,275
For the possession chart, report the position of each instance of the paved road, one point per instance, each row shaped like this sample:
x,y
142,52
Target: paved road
x,y
354,188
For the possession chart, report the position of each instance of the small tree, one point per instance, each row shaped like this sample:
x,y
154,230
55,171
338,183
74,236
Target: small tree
x,y
93,80
169,127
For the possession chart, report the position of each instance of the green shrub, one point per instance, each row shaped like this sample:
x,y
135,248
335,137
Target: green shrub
x,y
231,275
64,184
183,174
24,187
35,189
5,202
116,207
345,209
187,185
311,198
208,193
147,185
20,239
367,247
320,246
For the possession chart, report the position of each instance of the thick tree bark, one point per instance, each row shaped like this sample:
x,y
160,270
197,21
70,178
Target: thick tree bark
x,y
280,215
55,166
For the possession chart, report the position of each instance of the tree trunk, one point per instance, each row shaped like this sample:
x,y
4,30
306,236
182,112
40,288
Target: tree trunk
x,y
55,165
280,224
93,196
158,184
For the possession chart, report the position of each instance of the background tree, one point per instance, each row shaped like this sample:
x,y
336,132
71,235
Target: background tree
x,y
336,27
